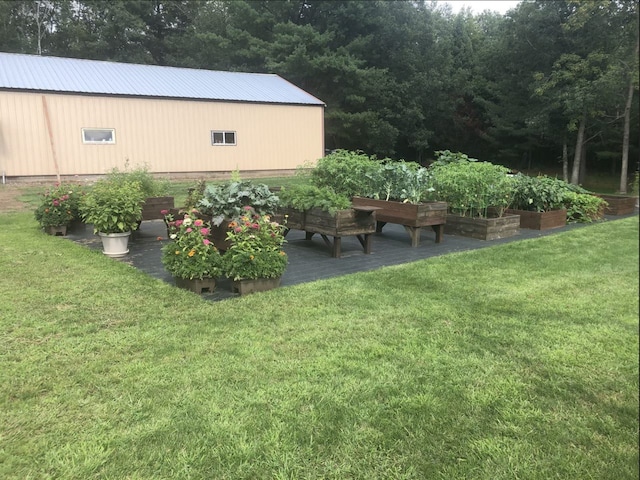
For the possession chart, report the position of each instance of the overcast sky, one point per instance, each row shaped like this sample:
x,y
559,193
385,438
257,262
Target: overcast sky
x,y
479,6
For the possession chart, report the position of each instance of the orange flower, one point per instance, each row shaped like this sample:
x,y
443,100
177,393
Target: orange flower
x,y
232,224
192,252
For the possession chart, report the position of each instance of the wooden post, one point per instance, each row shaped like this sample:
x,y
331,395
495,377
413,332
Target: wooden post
x,y
53,149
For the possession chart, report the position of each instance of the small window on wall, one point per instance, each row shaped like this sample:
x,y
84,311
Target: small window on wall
x,y
103,136
219,137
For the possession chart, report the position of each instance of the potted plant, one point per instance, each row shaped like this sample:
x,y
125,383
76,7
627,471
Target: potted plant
x,y
478,194
115,210
192,259
539,201
255,261
325,212
58,208
226,201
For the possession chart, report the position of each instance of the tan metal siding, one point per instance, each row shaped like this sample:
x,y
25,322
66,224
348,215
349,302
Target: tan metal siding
x,y
166,135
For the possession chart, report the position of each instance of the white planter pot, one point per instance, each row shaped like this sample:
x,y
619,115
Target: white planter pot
x,y
115,244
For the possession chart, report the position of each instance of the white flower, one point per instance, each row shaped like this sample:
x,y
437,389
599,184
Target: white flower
x,y
187,221
173,236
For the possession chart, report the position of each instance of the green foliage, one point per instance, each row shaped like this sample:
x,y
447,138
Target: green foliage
x,y
345,172
195,194
539,194
356,174
471,188
227,200
59,206
256,247
305,197
190,254
150,186
584,207
444,157
113,206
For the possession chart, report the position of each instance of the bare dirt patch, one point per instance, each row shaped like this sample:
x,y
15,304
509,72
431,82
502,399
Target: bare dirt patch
x,y
9,199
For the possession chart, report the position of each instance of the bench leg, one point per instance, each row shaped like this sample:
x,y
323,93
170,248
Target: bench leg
x,y
379,226
308,235
439,229
365,241
414,233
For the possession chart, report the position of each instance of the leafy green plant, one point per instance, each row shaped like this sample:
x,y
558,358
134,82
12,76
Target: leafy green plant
x,y
59,206
444,157
190,254
150,185
113,206
538,194
305,197
346,172
472,188
583,206
195,194
227,200
256,247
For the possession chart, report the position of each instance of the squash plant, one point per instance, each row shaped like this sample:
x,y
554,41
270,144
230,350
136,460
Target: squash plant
x,y
538,194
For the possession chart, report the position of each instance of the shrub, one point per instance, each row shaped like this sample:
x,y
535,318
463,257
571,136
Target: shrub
x,y
113,206
150,186
347,173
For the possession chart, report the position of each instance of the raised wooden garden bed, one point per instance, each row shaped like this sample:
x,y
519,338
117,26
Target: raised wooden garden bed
x,y
152,207
358,221
619,204
483,228
541,220
411,216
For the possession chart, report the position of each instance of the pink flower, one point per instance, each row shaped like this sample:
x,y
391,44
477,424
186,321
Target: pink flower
x,y
198,223
247,207
255,226
179,222
164,212
238,229
204,231
206,241
56,203
189,230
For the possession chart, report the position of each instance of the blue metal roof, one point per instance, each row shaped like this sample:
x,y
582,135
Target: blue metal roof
x,y
70,75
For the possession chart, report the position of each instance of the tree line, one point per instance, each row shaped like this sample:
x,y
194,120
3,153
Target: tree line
x,y
549,83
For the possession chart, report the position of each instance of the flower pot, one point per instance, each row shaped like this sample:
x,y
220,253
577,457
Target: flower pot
x,y
197,285
115,244
541,220
483,228
58,230
252,285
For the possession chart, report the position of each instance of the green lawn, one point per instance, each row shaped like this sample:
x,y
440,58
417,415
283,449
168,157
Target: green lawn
x,y
514,361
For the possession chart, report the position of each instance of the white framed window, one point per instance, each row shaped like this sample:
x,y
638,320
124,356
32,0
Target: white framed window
x,y
101,136
222,137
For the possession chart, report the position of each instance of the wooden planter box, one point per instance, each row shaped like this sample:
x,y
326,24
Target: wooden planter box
x,y
153,205
218,235
290,218
246,286
410,215
197,285
619,204
541,220
358,221
483,228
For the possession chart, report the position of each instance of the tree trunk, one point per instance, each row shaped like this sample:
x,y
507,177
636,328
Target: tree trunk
x,y
565,160
625,137
577,156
